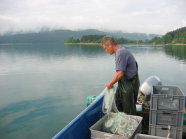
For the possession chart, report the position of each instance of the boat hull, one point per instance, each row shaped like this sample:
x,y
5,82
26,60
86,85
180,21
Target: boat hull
x,y
78,128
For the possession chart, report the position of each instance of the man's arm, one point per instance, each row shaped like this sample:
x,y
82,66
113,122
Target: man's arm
x,y
116,78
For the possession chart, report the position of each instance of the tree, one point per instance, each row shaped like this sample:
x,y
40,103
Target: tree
x,y
176,36
71,40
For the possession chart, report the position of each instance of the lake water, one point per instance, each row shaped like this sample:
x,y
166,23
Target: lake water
x,y
44,86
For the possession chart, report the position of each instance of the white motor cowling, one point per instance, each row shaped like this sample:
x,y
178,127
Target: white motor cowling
x,y
145,89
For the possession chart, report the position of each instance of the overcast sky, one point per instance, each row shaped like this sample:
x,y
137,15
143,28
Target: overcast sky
x,y
145,16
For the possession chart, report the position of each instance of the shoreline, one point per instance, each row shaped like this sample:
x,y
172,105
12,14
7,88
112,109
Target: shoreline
x,y
177,44
85,43
130,43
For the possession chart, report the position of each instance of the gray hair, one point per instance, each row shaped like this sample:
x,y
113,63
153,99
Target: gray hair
x,y
108,40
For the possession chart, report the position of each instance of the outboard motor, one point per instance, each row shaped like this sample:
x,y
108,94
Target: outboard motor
x,y
145,89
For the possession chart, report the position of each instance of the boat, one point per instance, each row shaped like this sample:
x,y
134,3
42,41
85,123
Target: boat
x,y
78,128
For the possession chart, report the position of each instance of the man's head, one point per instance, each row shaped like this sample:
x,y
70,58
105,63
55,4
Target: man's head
x,y
108,43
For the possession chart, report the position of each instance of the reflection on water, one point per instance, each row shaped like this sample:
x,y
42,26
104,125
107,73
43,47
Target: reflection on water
x,y
44,86
86,49
22,119
178,52
51,49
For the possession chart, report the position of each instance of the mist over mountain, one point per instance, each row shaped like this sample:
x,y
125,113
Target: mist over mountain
x,y
62,36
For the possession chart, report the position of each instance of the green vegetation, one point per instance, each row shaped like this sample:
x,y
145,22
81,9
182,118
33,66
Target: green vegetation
x,y
177,36
178,52
72,40
92,38
174,37
98,38
86,39
123,40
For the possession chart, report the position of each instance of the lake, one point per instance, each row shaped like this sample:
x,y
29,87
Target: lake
x,y
44,86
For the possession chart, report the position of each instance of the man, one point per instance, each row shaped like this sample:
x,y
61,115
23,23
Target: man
x,y
126,76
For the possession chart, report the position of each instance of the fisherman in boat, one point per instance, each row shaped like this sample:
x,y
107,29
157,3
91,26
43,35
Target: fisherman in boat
x,y
126,75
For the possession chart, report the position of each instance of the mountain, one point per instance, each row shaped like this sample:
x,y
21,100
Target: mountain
x,y
63,35
172,37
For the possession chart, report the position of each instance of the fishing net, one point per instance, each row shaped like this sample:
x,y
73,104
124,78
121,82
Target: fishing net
x,y
121,124
118,122
109,101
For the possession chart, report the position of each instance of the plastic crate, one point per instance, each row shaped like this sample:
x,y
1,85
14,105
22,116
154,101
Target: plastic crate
x,y
164,117
96,132
166,131
167,98
143,136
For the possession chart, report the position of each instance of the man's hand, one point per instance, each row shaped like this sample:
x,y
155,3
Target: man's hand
x,y
109,85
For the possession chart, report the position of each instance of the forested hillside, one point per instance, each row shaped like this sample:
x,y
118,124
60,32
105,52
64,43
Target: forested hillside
x,y
177,36
97,39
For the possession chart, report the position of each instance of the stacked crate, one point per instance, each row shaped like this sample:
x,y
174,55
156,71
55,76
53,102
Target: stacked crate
x,y
166,112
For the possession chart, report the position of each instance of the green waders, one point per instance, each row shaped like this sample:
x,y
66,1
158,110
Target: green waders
x,y
126,94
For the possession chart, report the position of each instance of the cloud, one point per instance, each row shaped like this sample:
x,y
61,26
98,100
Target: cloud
x,y
153,16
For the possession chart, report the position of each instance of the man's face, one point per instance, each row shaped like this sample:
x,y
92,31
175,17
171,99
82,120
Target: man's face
x,y
108,49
